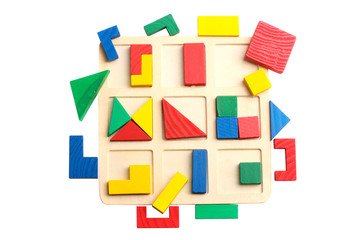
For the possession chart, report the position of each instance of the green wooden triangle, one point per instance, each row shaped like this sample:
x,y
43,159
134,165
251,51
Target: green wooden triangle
x,y
119,117
85,91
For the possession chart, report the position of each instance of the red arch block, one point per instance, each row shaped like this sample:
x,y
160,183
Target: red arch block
x,y
290,157
171,222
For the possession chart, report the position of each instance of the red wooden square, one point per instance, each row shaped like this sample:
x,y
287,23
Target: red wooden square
x,y
270,47
249,127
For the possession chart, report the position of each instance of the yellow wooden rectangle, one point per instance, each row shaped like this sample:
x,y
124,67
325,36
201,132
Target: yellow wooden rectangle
x,y
224,26
170,192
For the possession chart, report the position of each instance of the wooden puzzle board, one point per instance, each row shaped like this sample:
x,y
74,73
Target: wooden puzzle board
x,y
225,70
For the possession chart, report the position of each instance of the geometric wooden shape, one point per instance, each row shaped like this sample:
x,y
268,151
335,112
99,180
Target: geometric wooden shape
x,y
80,166
177,125
194,64
139,182
143,117
227,128
225,26
105,37
257,82
226,106
167,22
278,120
250,173
199,171
136,51
144,222
119,117
145,79
290,157
171,190
249,127
130,132
85,90
270,47
216,211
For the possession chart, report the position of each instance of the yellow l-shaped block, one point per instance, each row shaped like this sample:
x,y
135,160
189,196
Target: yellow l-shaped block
x,y
146,77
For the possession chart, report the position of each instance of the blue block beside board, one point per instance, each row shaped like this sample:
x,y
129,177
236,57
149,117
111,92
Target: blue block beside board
x,y
278,120
199,171
105,37
227,128
80,166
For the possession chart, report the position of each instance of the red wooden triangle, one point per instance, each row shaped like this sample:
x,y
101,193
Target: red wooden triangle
x,y
130,132
177,125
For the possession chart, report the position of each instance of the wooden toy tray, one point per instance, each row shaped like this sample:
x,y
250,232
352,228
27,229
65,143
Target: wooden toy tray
x,y
225,70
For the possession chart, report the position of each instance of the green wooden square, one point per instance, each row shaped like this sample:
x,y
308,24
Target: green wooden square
x,y
226,106
250,173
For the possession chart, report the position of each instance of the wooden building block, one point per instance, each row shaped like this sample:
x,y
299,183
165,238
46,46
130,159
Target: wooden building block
x,y
144,222
143,117
130,132
136,51
278,120
290,157
270,47
257,82
249,127
199,171
80,166
167,22
139,182
105,37
224,26
177,125
250,173
216,211
119,117
146,77
168,195
194,64
227,128
226,106
85,90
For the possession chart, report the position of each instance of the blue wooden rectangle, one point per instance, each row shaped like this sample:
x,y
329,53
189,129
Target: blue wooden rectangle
x,y
199,171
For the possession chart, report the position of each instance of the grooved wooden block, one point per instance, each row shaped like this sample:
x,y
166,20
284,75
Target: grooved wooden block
x,y
249,127
194,64
105,37
144,222
225,26
250,173
167,22
136,51
290,157
257,82
226,106
199,171
227,128
270,47
216,211
168,195
146,77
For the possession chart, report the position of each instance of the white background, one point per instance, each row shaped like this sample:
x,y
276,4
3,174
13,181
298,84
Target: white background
x,y
45,45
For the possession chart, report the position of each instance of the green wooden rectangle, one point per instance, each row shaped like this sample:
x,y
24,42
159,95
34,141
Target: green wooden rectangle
x,y
216,211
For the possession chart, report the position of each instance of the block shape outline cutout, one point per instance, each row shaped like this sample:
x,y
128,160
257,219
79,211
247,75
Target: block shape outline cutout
x,y
144,222
105,37
290,157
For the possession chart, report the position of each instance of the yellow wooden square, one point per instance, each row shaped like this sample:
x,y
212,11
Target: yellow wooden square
x,y
225,26
257,82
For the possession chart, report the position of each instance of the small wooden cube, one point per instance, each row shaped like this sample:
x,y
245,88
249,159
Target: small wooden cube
x,y
249,127
257,82
226,106
250,173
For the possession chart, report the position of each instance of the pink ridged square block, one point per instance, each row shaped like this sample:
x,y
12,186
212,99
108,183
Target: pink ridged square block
x,y
249,127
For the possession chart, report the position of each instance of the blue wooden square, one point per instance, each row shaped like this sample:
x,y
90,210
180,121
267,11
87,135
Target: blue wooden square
x,y
227,128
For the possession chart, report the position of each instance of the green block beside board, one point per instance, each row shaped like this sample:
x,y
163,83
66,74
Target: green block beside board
x,y
216,211
167,22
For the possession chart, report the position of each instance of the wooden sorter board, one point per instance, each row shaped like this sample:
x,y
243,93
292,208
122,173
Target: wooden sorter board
x,y
225,71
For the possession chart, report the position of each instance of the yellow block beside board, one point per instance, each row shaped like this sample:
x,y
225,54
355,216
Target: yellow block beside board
x,y
222,26
170,192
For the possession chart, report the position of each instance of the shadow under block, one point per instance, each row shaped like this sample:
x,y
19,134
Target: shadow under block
x,y
119,117
290,157
226,106
85,90
146,77
278,120
105,37
167,22
168,195
143,117
136,51
139,182
194,64
249,127
227,128
80,166
171,222
216,211
199,171
224,26
177,125
250,173
257,82
270,47
130,132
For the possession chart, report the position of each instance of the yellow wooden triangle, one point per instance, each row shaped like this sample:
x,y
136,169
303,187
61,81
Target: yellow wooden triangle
x,y
143,117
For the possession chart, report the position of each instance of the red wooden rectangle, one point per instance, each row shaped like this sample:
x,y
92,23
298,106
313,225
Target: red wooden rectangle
x,y
194,64
136,50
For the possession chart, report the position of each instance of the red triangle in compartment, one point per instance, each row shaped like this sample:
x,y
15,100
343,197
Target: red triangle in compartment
x,y
177,125
130,132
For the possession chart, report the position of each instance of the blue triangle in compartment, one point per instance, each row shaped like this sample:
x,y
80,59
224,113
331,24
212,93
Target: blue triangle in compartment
x,y
278,120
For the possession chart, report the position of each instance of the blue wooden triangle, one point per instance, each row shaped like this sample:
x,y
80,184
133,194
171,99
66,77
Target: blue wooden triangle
x,y
278,120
